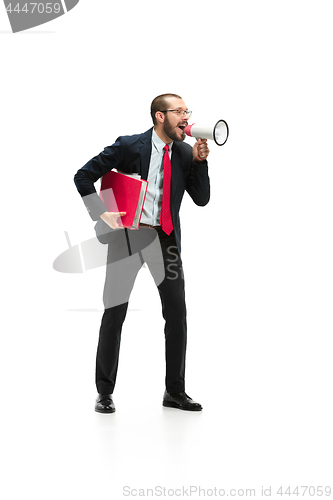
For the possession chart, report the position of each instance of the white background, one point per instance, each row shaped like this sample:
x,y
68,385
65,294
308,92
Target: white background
x,y
257,258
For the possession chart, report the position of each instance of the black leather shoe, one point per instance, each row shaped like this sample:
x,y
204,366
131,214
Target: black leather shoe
x,y
105,404
181,401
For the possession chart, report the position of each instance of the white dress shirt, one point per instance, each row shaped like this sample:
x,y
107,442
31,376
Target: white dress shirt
x,y
151,212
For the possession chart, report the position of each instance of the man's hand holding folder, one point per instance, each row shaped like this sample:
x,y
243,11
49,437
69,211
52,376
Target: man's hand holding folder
x,y
112,219
121,191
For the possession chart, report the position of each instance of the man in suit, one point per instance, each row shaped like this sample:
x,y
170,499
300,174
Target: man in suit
x,y
171,168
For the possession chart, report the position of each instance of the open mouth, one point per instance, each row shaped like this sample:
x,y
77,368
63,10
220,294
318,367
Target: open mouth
x,y
182,127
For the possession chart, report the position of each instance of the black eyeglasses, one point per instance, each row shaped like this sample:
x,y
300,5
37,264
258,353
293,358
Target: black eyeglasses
x,y
179,112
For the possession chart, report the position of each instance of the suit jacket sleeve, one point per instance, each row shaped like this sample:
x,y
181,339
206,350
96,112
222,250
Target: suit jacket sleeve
x,y
86,176
196,176
197,184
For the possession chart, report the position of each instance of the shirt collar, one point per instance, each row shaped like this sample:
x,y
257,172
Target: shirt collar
x,y
158,143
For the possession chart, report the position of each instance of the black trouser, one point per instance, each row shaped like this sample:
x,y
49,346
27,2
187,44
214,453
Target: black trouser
x,y
125,258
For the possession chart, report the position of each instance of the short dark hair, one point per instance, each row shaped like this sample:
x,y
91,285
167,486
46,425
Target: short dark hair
x,y
159,103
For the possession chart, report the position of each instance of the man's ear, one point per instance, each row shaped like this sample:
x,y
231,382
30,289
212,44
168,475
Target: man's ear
x,y
159,116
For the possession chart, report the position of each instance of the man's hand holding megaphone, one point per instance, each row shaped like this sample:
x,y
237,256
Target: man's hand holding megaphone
x,y
200,151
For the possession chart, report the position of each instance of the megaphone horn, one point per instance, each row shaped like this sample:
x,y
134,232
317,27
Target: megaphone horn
x,y
218,132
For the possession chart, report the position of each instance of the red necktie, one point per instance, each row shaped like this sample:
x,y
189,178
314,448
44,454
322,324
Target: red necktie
x,y
166,220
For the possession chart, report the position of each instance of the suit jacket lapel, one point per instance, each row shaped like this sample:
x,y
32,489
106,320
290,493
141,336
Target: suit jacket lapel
x,y
145,153
175,169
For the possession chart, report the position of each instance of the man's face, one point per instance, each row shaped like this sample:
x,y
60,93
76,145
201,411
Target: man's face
x,y
174,124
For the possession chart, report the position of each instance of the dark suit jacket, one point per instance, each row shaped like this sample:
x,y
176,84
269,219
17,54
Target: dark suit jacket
x,y
131,154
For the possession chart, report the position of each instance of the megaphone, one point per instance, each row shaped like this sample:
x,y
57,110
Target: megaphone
x,y
218,132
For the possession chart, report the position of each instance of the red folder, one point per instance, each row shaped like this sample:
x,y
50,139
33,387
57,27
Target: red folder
x,y
124,193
